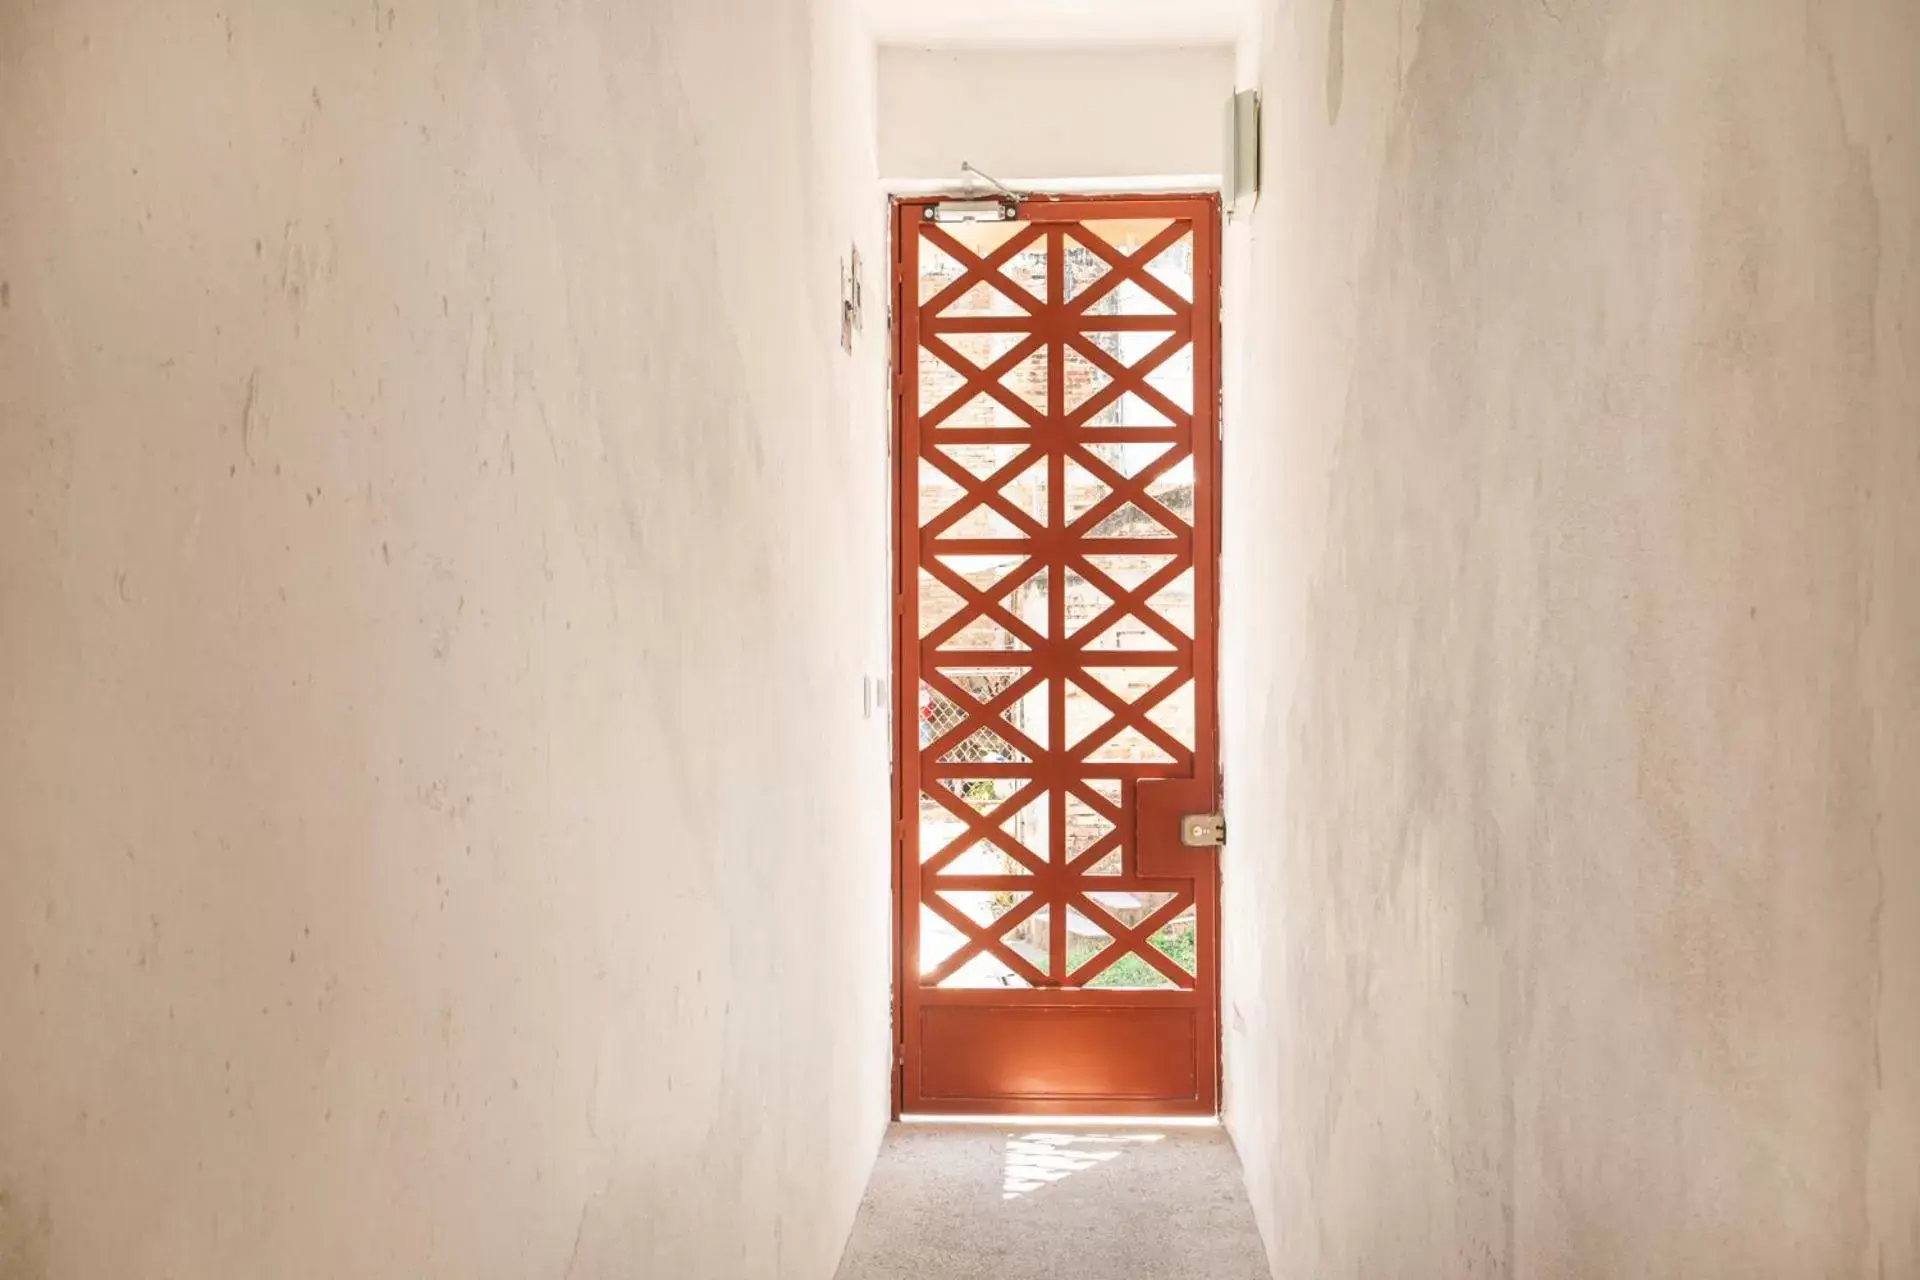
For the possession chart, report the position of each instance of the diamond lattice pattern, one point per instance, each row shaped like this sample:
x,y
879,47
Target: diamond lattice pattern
x,y
1055,394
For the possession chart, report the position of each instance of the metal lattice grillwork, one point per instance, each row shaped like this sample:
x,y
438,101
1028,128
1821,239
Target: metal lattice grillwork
x,y
941,715
1055,561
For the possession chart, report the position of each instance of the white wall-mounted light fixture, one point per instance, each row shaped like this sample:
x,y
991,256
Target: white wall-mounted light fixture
x,y
1240,184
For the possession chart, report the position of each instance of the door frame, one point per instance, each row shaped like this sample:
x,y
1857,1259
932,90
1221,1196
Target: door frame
x,y
905,634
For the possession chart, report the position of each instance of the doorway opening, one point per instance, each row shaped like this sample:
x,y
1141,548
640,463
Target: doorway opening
x,y
1056,381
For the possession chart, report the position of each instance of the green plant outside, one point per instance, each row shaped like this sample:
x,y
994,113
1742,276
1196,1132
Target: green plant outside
x,y
1131,971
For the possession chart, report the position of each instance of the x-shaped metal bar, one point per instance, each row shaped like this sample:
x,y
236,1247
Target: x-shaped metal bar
x,y
984,939
983,826
1133,603
977,603
1125,715
983,381
1124,489
975,269
978,492
984,715
1122,267
1131,377
989,827
1135,939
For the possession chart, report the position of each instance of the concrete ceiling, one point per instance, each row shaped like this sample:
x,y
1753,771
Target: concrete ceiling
x,y
1003,22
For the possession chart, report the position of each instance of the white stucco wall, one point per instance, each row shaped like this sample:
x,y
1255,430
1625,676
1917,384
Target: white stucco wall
x,y
1572,616
1033,114
441,547
1003,23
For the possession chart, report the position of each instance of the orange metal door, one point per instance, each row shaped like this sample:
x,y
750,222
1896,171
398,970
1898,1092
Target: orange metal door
x,y
1057,388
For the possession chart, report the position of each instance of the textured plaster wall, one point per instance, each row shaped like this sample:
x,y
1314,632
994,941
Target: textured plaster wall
x,y
441,547
1057,23
1573,642
1054,112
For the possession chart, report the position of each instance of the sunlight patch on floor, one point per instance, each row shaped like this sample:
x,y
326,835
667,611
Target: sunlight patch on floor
x,y
1036,1160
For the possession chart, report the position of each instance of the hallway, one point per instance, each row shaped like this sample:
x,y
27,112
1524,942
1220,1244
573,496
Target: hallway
x,y
1039,1202
590,612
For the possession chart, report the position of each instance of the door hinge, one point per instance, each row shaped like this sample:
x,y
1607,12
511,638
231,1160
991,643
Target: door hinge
x,y
1203,830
